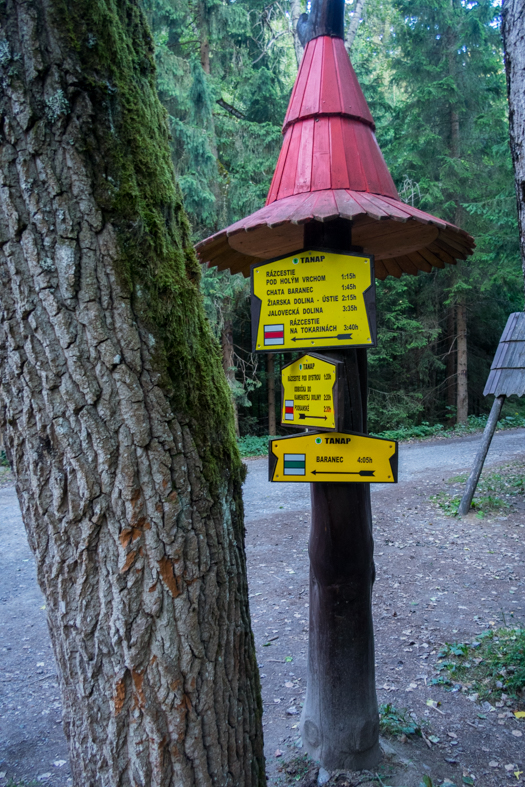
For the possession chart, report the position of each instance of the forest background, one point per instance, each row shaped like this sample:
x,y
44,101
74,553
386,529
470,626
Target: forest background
x,y
432,72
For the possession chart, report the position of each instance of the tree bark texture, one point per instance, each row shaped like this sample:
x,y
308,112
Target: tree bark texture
x,y
272,427
462,379
228,363
115,411
513,28
340,720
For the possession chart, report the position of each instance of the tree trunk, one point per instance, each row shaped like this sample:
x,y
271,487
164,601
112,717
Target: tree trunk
x,y
354,24
115,412
272,428
295,13
228,364
451,361
513,27
462,383
340,721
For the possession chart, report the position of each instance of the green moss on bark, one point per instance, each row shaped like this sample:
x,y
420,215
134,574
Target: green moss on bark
x,y
137,192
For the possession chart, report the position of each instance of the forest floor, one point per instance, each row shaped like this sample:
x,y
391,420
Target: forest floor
x,y
440,580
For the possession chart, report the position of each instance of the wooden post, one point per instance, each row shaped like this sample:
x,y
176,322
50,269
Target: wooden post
x,y
488,433
340,720
270,381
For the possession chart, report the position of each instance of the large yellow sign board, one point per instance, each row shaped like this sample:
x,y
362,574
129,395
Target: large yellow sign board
x,y
333,457
313,299
310,394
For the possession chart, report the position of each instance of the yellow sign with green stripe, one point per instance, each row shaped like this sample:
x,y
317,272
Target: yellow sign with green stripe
x,y
340,457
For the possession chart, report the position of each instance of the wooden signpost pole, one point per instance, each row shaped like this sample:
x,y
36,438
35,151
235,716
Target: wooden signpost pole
x,y
340,722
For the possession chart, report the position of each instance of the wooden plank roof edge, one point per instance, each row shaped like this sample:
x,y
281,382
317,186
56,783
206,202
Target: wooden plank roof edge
x,y
320,113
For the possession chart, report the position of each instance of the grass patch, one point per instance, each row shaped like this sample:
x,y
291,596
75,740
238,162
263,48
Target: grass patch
x,y
396,722
496,491
491,665
475,423
250,445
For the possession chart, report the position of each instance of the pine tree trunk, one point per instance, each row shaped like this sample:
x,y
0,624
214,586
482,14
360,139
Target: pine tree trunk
x,y
462,384
115,411
228,364
272,427
354,24
295,13
451,360
513,28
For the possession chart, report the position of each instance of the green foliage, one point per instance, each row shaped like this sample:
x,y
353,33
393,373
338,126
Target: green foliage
x,y
250,445
491,665
3,459
496,491
393,721
433,76
237,54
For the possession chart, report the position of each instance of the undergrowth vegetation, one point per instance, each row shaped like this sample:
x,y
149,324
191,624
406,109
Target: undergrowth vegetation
x,y
251,445
395,721
491,666
497,490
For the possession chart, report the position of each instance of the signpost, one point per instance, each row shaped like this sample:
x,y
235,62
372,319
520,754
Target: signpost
x,y
331,188
312,394
313,299
338,457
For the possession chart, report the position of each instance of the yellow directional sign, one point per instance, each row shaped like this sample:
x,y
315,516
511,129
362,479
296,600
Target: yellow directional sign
x,y
311,395
313,299
334,457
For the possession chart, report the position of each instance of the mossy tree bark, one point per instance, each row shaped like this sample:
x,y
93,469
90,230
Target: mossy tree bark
x,y
115,411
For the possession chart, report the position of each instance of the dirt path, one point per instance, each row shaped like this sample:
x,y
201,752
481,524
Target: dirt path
x,y
439,580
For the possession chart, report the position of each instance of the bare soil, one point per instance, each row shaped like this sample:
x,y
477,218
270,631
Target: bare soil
x,y
439,580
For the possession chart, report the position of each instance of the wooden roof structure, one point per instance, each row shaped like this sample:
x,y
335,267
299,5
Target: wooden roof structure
x,y
331,167
507,373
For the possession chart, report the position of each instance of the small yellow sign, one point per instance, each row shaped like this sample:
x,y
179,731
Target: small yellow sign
x,y
310,393
313,299
339,457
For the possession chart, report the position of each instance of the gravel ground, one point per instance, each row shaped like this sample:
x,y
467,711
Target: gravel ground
x,y
439,580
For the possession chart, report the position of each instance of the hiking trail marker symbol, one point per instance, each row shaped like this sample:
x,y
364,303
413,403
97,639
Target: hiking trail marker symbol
x,y
340,457
313,299
312,394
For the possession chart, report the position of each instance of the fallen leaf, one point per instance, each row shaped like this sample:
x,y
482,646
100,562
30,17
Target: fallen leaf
x,y
517,733
278,753
519,714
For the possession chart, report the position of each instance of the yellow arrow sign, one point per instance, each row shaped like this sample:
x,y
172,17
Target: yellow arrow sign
x,y
333,457
310,393
313,299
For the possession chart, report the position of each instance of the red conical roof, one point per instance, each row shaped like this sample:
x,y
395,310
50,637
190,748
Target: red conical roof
x,y
330,166
329,140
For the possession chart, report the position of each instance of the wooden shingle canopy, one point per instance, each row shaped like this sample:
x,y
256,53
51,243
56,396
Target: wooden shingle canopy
x,y
330,167
507,373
